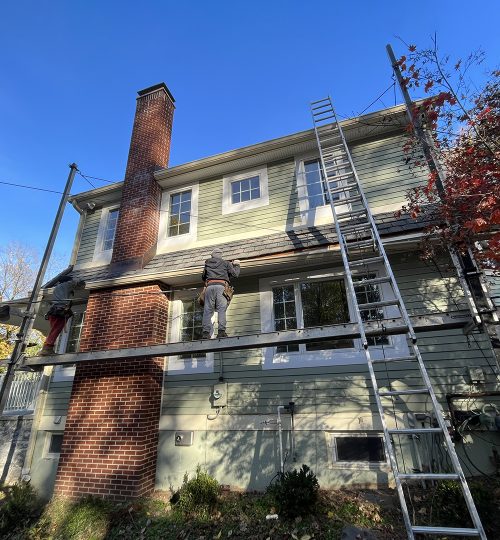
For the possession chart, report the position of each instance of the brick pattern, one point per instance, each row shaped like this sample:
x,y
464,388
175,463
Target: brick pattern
x,y
111,437
137,228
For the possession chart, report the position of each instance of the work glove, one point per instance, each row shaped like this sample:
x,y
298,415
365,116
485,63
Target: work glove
x,y
237,262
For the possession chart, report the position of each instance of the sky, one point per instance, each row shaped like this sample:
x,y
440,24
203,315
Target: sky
x,y
241,73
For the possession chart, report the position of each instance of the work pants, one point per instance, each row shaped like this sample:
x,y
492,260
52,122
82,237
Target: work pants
x,y
56,327
214,301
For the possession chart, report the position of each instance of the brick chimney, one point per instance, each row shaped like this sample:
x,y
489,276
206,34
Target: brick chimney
x,y
110,440
137,228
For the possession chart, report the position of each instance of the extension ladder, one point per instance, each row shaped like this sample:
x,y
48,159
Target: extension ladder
x,y
364,256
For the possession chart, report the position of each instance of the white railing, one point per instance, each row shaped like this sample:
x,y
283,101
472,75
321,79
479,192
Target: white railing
x,y
23,392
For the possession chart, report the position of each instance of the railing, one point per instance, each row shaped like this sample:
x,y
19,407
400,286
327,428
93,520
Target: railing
x,y
23,393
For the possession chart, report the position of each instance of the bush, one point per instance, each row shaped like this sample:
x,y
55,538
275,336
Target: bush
x,y
295,492
200,494
21,501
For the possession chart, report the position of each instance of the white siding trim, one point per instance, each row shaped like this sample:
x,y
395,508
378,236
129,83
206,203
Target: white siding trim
x,y
167,243
336,357
228,207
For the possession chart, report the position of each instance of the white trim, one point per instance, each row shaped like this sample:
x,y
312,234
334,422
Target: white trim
x,y
228,207
312,216
185,366
182,241
46,445
358,465
333,357
101,256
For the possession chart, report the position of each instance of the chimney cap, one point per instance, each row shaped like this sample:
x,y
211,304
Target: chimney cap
x,y
154,88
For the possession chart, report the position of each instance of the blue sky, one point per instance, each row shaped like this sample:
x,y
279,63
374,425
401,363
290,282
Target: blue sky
x,y
241,73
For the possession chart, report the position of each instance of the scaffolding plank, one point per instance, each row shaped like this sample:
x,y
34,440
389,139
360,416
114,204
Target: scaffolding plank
x,y
422,323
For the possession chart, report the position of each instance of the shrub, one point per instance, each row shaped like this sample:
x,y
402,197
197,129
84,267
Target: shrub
x,y
20,500
295,492
198,494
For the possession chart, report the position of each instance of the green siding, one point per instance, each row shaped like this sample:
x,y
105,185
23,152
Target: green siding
x,y
328,389
89,237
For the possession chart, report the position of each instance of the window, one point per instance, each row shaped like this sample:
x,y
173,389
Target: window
x,y
351,449
69,342
53,445
186,325
179,217
110,230
307,300
75,332
245,191
106,235
313,192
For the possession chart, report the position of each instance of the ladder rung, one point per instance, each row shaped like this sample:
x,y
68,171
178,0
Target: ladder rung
x,y
353,214
404,392
327,104
345,187
380,303
413,431
316,119
327,99
368,242
451,531
341,177
363,262
429,476
395,359
348,228
374,281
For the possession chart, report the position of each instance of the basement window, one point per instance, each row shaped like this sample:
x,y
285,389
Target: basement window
x,y
357,449
53,445
245,191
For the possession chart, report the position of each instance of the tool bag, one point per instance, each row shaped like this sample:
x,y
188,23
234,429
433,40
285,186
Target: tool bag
x,y
64,312
228,292
201,297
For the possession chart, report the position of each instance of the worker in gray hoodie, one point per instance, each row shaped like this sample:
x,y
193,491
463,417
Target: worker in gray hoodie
x,y
217,276
60,310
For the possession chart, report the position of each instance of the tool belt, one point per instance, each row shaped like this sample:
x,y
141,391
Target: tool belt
x,y
64,312
228,291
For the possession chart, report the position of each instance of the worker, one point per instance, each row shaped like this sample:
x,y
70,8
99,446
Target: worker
x,y
60,310
218,291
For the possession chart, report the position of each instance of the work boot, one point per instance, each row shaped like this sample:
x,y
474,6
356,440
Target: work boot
x,y
47,350
222,333
205,335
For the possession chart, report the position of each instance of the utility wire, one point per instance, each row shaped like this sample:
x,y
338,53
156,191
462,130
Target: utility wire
x,y
30,187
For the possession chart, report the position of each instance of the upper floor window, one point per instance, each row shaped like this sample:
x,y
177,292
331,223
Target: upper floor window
x,y
179,217
306,301
106,234
313,189
245,191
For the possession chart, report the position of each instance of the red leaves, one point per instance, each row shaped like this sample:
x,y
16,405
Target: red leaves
x,y
412,48
495,217
476,225
428,85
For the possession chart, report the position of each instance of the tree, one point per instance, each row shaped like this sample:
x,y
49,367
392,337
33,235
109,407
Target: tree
x,y
18,265
464,123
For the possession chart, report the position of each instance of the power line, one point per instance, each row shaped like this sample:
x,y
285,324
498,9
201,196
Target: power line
x,y
85,178
30,187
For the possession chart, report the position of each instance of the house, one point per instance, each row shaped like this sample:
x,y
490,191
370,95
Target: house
x,y
120,428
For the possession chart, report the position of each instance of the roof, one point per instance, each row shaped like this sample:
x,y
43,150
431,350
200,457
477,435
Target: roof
x,y
300,238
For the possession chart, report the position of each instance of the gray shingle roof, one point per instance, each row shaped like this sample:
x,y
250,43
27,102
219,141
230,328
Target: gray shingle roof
x,y
297,239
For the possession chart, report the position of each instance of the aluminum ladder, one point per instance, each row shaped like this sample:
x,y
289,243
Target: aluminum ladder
x,y
364,255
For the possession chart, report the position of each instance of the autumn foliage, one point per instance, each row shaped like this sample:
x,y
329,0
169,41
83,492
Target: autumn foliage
x,y
465,129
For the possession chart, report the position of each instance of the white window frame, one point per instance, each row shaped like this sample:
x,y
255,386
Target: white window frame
x,y
176,364
46,445
102,256
228,207
332,357
312,216
359,465
165,242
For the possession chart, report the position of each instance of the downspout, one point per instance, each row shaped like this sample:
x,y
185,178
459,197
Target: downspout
x,y
282,463
79,230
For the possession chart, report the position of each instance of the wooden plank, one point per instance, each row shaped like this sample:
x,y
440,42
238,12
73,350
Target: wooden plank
x,y
270,339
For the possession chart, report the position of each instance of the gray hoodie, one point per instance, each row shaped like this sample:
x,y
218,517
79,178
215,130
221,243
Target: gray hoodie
x,y
218,268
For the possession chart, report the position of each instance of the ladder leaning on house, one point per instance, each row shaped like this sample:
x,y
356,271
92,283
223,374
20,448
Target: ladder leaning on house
x,y
363,255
